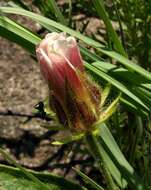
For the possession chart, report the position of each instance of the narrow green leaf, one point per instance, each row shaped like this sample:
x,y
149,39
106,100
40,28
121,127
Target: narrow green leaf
x,y
16,33
103,146
131,106
118,158
14,179
145,91
105,93
68,139
29,175
146,97
121,73
57,11
103,15
50,23
88,180
116,83
110,110
127,63
99,153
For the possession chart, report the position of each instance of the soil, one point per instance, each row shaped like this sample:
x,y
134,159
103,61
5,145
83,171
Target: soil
x,y
21,88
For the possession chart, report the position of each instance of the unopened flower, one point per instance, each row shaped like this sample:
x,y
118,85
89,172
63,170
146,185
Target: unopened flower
x,y
74,97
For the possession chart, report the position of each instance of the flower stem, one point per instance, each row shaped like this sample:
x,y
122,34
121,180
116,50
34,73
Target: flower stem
x,y
95,149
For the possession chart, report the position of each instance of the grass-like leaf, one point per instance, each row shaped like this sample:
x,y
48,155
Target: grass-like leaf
x,y
88,180
103,145
14,179
99,6
48,23
57,11
18,34
116,84
14,32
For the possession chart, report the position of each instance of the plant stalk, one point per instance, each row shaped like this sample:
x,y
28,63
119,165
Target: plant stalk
x,y
95,149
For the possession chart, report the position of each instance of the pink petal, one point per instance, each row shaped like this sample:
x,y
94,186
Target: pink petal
x,y
73,79
75,58
52,72
69,49
74,54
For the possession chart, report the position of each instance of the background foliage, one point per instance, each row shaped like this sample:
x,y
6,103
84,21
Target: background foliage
x,y
119,62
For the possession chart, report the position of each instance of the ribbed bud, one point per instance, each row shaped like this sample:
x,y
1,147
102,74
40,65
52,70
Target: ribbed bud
x,y
73,95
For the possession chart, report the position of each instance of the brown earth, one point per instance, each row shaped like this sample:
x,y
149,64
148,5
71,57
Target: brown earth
x,y
21,88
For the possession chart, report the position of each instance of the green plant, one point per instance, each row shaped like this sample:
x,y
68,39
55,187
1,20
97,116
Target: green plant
x,y
132,81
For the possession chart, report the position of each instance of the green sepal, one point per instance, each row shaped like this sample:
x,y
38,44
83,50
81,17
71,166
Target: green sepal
x,y
105,94
109,111
69,139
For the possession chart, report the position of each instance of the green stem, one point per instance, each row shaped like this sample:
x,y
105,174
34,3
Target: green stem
x,y
136,139
106,152
95,149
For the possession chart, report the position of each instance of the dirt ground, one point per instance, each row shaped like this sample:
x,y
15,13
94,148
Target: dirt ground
x,y
21,88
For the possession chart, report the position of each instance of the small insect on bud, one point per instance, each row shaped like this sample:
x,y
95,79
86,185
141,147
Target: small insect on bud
x,y
74,97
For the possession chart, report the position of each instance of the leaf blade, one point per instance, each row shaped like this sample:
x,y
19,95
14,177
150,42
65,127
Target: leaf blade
x,y
50,23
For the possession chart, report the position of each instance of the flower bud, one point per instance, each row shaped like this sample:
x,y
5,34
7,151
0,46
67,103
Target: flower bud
x,y
74,97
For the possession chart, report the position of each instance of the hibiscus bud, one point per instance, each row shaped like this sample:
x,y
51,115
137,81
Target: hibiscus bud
x,y
73,95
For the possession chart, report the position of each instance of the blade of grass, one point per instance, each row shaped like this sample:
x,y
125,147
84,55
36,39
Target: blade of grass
x,y
103,145
29,175
50,23
131,106
117,84
127,63
118,72
57,11
55,182
17,33
19,36
115,172
18,3
87,179
50,7
146,91
115,153
121,73
117,11
143,95
99,6
147,86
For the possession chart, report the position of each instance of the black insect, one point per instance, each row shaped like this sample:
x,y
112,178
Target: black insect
x,y
41,111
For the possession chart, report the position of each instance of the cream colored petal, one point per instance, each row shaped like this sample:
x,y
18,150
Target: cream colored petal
x,y
71,41
52,36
